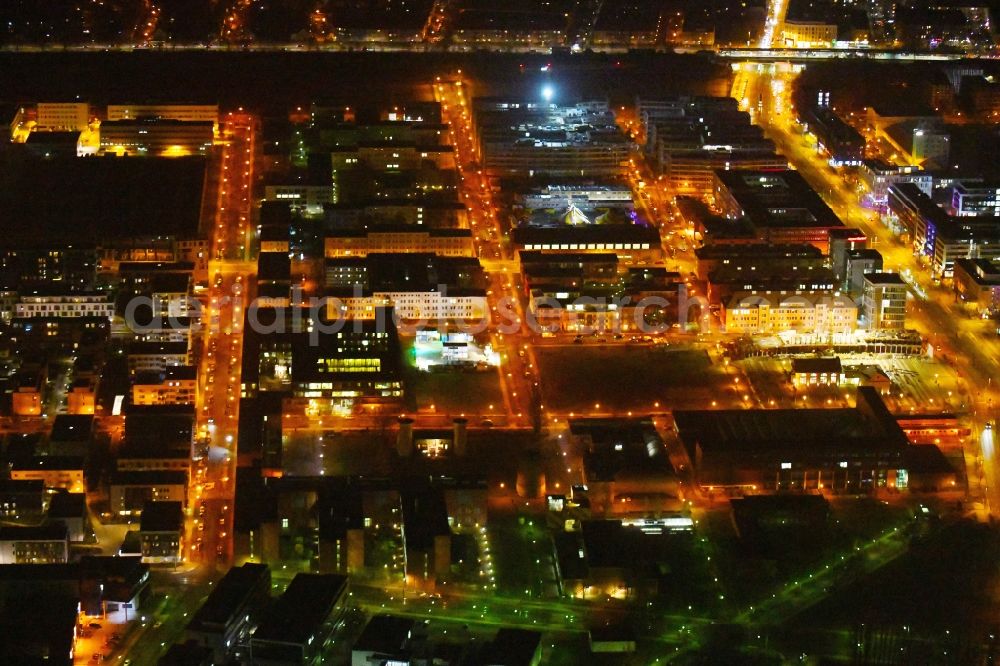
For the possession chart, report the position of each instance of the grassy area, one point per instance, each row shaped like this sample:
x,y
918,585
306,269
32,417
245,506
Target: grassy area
x,y
457,392
751,572
627,378
522,553
942,590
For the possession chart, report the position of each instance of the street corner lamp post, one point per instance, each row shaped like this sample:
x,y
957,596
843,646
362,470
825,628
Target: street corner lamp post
x,y
548,92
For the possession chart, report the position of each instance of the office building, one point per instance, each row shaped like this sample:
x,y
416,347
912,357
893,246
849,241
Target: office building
x,y
878,176
977,282
156,136
843,242
156,356
231,611
518,24
691,137
844,144
385,638
295,627
22,500
358,363
884,301
405,239
417,286
70,509
860,262
62,116
779,205
632,243
38,626
748,259
526,138
309,197
970,199
598,196
188,113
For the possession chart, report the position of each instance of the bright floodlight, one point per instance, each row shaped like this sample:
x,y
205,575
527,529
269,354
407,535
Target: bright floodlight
x,y
547,93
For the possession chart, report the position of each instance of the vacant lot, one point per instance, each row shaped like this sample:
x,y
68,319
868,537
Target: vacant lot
x,y
621,378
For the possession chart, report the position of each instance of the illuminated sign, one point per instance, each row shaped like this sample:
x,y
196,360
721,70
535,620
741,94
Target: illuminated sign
x,y
676,523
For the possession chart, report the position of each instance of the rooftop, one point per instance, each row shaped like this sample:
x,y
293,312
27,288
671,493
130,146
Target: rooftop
x,y
513,647
587,234
52,532
298,613
153,477
884,278
385,634
72,428
777,198
49,463
868,426
67,505
228,596
162,517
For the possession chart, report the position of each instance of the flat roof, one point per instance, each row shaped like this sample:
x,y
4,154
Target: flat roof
x,y
547,258
983,271
298,613
620,447
53,138
49,463
229,595
151,477
867,426
513,647
137,348
590,233
884,278
56,531
189,653
425,516
926,459
385,634
777,198
757,251
72,428
11,487
67,505
162,517
156,121
433,232
418,271
43,621
52,571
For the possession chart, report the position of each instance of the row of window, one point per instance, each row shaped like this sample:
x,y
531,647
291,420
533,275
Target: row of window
x,y
587,246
